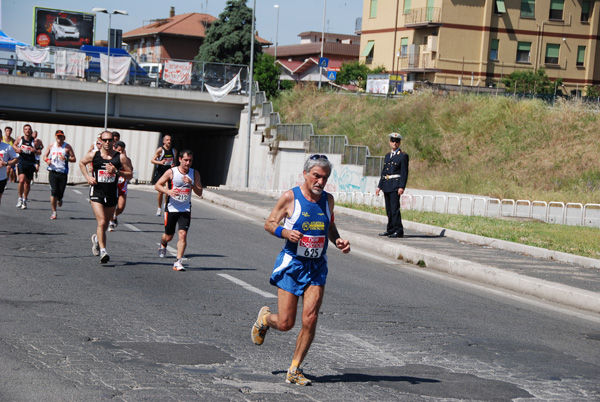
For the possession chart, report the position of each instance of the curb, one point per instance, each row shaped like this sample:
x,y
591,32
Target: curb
x,y
533,251
554,292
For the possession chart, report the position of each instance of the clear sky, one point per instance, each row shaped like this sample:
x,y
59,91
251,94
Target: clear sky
x,y
295,16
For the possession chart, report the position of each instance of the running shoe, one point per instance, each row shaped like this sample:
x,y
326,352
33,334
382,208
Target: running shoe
x,y
24,204
158,212
178,266
19,203
104,258
259,330
297,377
53,216
116,222
111,226
59,202
162,252
95,246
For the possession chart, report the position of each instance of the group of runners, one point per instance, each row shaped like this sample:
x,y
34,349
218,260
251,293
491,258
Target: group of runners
x,y
300,270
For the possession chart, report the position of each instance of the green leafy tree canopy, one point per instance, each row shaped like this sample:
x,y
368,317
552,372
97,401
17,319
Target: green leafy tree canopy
x,y
228,39
266,73
531,82
355,73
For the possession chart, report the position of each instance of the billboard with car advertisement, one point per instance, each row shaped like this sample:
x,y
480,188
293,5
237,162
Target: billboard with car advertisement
x,y
62,28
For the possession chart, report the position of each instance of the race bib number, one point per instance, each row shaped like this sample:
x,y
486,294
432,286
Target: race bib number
x,y
311,246
105,177
168,161
26,149
182,194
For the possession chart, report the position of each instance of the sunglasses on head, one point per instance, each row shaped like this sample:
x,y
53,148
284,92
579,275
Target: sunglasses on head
x,y
106,139
315,157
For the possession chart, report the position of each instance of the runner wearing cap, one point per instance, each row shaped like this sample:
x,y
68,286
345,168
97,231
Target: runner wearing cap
x,y
58,156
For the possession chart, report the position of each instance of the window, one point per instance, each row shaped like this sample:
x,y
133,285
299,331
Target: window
x,y
580,55
494,49
369,50
523,50
527,8
499,7
403,47
406,6
373,9
586,11
552,51
556,9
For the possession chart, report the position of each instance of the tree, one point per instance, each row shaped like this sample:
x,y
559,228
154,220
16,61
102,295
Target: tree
x,y
533,82
228,39
355,73
266,73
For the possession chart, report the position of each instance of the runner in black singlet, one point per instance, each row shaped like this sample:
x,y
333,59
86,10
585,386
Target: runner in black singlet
x,y
107,166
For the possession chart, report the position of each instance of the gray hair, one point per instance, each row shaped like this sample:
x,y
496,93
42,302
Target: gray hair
x,y
318,160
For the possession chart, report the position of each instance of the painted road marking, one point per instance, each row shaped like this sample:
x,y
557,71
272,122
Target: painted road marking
x,y
247,286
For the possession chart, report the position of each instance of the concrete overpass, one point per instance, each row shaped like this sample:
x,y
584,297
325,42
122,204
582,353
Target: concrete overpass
x,y
191,117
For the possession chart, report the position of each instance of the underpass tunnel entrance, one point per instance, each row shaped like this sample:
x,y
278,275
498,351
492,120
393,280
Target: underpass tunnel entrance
x,y
212,152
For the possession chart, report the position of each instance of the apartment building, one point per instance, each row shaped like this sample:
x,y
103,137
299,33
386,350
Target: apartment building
x,y
477,42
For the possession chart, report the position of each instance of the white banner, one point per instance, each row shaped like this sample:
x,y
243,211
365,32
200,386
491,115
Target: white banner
x,y
219,93
119,68
33,54
69,63
178,73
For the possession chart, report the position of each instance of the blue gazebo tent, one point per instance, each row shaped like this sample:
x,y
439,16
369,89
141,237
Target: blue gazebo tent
x,y
7,43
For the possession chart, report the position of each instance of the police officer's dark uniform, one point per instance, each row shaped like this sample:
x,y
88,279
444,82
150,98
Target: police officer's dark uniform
x,y
393,177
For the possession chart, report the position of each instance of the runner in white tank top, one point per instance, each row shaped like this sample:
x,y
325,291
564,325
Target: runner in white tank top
x,y
182,181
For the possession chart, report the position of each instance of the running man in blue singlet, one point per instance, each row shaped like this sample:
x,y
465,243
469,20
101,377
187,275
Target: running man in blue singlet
x,y
301,267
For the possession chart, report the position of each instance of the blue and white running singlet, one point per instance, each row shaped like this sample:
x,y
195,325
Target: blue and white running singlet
x,y
304,263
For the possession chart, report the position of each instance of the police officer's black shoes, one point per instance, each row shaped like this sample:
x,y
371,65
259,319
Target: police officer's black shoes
x,y
397,234
386,233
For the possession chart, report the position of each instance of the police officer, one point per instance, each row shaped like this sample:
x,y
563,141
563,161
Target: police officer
x,y
392,183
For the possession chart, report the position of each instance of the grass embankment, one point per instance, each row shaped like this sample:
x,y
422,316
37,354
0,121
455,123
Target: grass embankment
x,y
470,144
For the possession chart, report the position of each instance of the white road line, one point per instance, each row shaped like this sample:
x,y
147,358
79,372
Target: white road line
x,y
77,192
133,227
247,286
171,250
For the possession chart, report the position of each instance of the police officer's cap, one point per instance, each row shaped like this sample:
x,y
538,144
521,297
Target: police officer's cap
x,y
395,136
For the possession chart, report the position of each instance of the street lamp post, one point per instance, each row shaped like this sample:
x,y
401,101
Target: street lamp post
x,y
276,30
105,11
322,43
251,86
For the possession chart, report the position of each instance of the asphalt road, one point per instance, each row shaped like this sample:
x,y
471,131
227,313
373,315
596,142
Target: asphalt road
x,y
135,330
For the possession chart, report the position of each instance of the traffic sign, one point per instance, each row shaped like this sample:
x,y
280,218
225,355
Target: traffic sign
x,y
323,62
331,75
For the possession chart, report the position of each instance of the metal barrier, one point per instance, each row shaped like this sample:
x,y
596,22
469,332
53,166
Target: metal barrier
x,y
327,144
214,74
294,132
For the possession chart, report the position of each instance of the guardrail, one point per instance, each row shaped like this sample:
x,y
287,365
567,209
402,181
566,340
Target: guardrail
x,y
572,214
214,74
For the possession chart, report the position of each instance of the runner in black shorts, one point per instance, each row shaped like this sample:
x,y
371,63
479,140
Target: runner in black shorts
x,y
107,166
25,147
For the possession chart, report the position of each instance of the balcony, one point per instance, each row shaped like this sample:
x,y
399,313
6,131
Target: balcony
x,y
423,17
418,62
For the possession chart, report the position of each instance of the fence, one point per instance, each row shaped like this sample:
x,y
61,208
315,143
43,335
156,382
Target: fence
x,y
294,132
214,74
572,214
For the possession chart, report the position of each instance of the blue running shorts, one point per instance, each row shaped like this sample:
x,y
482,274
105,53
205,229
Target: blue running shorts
x,y
294,275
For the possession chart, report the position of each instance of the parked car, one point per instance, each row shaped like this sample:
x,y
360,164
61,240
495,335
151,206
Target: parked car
x,y
153,69
136,72
64,28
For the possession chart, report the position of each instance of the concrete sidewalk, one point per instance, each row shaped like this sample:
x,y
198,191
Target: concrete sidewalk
x,y
557,277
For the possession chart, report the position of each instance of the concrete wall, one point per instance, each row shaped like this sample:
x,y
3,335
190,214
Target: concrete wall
x,y
281,169
140,146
